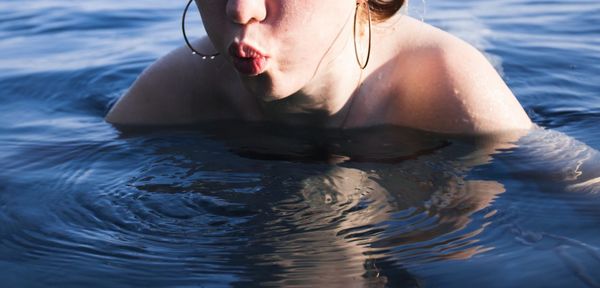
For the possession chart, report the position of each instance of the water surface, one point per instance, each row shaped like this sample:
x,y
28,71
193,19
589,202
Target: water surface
x,y
230,204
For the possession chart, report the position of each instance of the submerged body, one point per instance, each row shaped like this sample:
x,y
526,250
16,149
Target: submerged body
x,y
418,76
221,205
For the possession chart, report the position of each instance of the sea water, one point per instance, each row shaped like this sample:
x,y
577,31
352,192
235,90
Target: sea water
x,y
229,204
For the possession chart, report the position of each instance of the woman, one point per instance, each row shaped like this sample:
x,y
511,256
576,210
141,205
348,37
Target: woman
x,y
345,64
334,64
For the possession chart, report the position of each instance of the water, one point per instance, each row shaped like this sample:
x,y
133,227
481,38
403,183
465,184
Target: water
x,y
225,204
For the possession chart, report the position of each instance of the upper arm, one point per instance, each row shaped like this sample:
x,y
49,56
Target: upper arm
x,y
454,89
176,89
482,95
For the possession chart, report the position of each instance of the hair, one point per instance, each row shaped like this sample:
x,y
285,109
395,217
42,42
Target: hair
x,y
384,9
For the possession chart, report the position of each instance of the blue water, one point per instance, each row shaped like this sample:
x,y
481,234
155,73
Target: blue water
x,y
229,204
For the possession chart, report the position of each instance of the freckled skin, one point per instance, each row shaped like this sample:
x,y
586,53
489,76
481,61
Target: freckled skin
x,y
418,76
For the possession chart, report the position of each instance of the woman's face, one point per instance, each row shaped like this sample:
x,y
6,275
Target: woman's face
x,y
278,46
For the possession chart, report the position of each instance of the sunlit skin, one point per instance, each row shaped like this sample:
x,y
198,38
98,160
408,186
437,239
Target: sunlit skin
x,y
418,76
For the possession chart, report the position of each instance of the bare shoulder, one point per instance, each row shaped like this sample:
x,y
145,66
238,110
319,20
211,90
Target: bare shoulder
x,y
179,88
454,87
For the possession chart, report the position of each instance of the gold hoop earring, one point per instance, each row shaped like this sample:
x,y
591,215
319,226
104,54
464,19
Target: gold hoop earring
x,y
362,66
187,41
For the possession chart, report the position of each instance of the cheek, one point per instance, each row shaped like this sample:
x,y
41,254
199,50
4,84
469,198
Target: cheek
x,y
213,20
303,39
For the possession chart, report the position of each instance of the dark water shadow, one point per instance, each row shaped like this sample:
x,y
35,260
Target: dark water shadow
x,y
327,207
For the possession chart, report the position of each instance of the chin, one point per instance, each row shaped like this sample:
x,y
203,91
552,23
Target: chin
x,y
265,89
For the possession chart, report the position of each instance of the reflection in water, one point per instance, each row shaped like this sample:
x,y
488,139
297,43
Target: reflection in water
x,y
384,207
80,206
331,212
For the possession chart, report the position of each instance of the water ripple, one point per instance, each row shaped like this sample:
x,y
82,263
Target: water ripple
x,y
84,204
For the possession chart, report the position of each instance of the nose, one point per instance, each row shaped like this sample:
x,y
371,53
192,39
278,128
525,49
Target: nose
x,y
246,11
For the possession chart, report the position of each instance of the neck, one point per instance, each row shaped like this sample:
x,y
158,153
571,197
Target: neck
x,y
326,100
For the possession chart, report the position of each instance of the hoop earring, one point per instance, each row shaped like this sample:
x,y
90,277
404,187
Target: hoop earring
x,y
187,41
362,66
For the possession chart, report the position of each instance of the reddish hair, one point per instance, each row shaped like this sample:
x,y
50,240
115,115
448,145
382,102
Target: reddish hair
x,y
384,9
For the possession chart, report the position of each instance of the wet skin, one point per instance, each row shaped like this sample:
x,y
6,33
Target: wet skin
x,y
418,76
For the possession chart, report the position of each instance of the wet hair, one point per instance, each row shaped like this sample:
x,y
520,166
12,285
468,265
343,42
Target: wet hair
x,y
384,9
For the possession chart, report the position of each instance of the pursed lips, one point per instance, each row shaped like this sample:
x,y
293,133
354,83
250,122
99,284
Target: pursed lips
x,y
247,59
